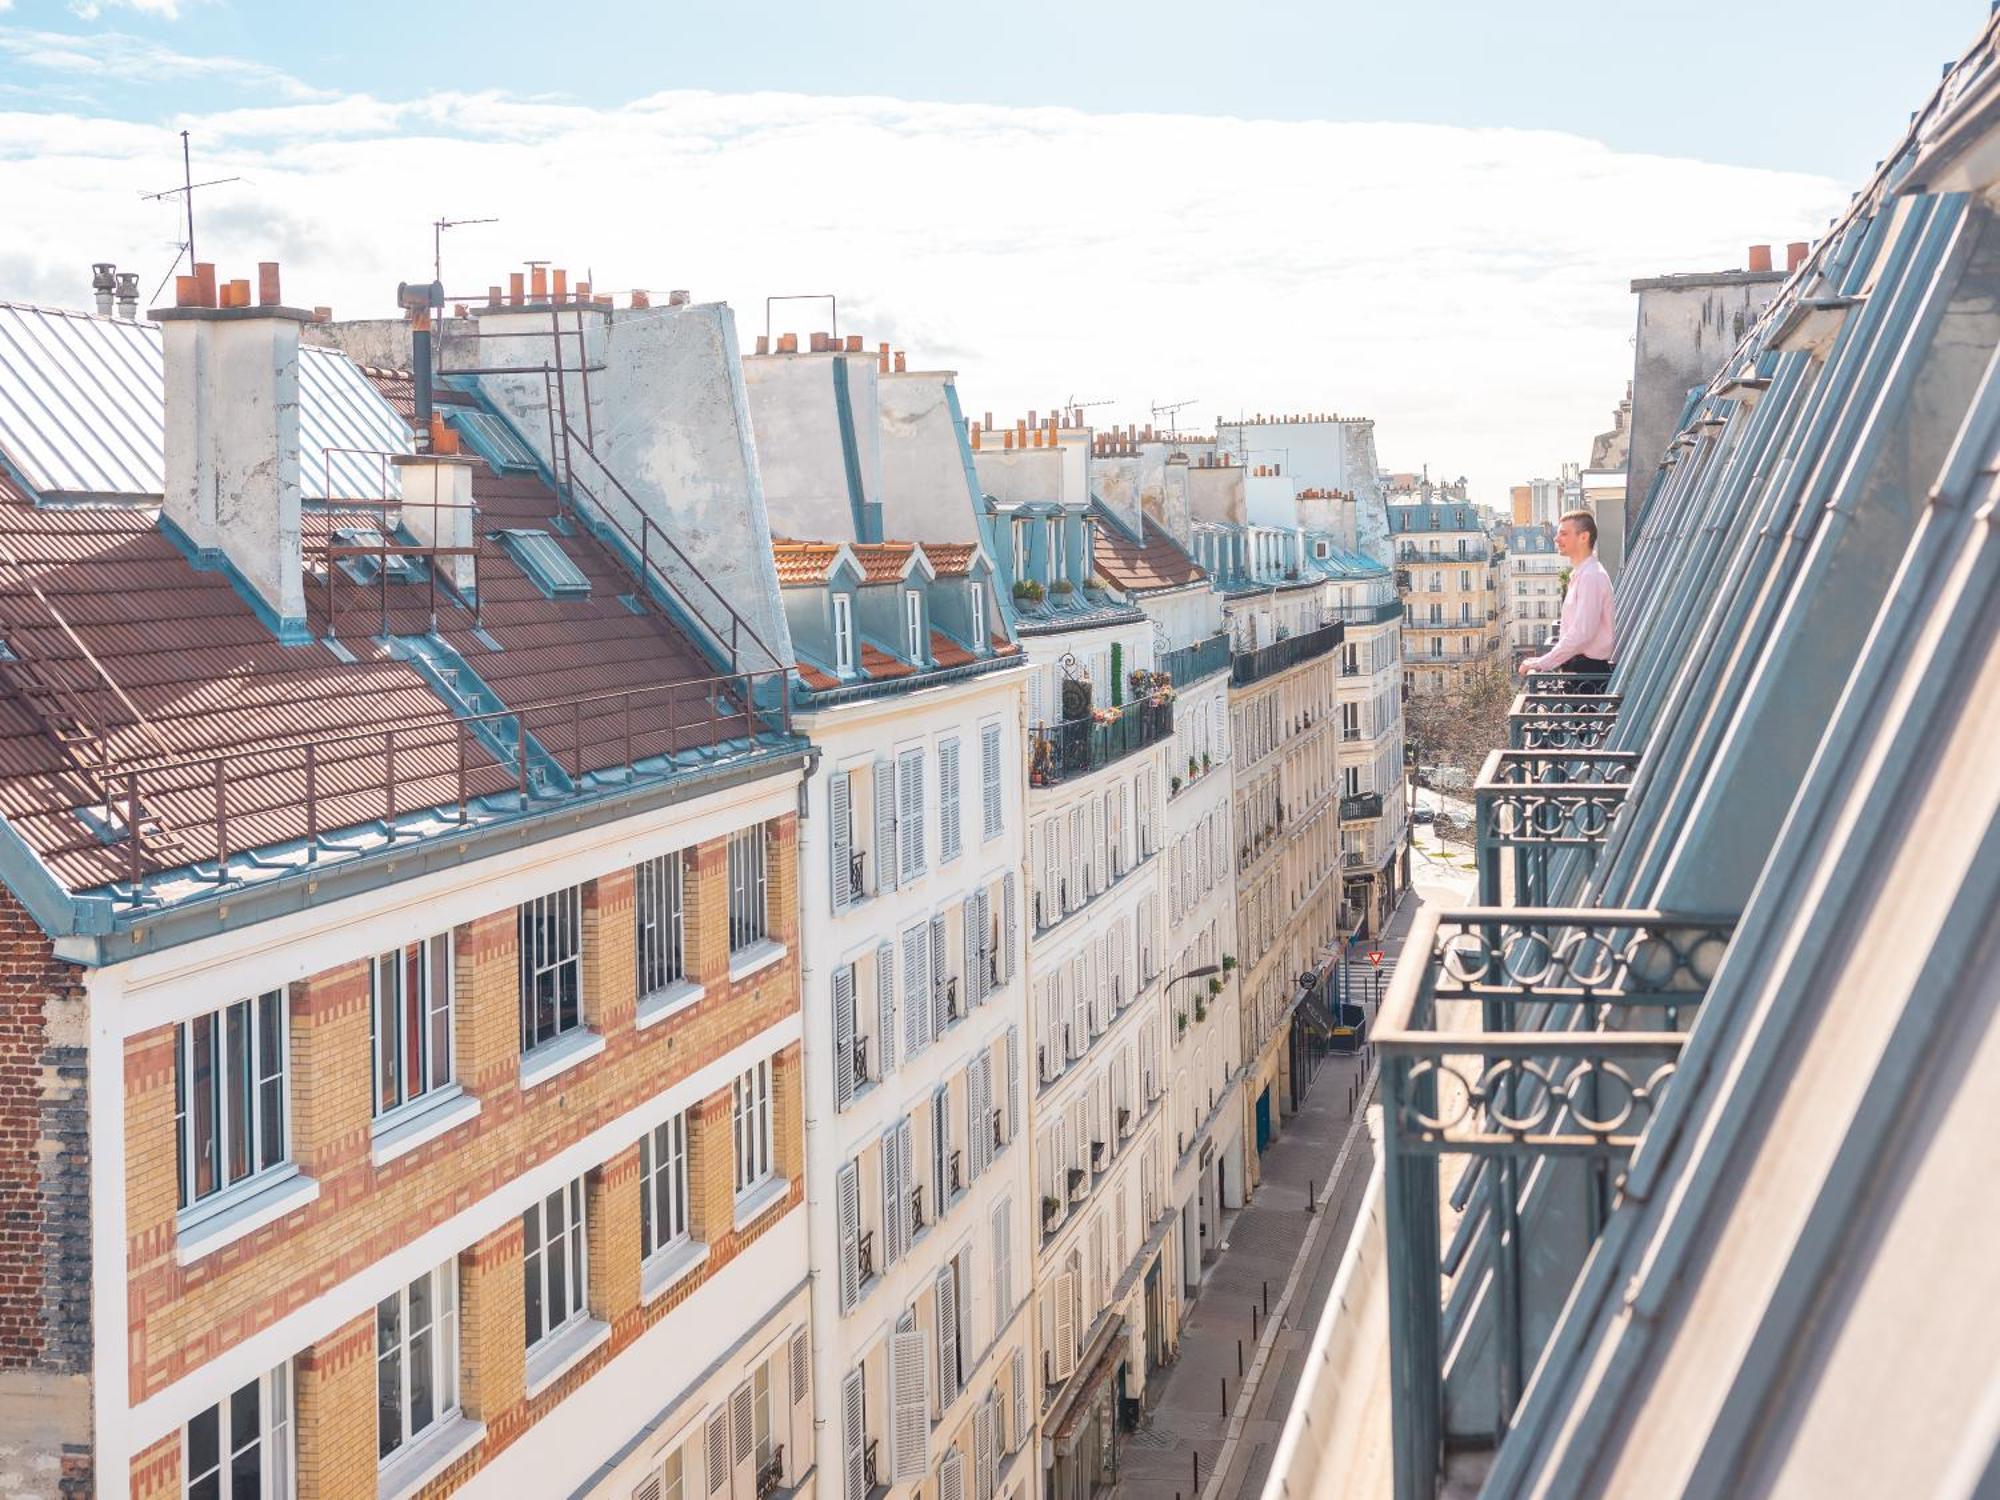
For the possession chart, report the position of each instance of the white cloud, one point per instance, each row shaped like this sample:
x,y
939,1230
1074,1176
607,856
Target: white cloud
x,y
122,58
1466,288
90,10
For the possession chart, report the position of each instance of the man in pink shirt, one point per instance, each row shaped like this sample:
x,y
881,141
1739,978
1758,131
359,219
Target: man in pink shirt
x,y
1585,644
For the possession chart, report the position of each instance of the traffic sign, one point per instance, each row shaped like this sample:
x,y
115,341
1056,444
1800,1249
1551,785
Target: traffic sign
x,y
1375,957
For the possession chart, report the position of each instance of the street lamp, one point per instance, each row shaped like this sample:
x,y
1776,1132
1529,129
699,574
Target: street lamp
x,y
1202,973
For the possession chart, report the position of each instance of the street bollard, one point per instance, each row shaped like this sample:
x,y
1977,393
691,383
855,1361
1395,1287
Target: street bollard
x,y
1312,1195
1225,1393
1253,1322
1196,1456
1267,1298
1239,1359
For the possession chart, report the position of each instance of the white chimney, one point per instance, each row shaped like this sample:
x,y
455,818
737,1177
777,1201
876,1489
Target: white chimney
x,y
437,507
232,448
128,296
102,276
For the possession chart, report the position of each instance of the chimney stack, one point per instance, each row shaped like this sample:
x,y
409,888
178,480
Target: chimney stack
x,y
232,444
1760,257
103,276
1795,254
128,295
678,297
437,503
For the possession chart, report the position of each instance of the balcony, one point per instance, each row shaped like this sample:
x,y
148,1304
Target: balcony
x,y
1370,614
1075,748
1415,624
1540,1042
771,1472
1187,665
1533,804
1360,807
1267,661
1561,721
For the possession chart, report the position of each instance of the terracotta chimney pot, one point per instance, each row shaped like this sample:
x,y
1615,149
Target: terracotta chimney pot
x,y
1760,257
267,283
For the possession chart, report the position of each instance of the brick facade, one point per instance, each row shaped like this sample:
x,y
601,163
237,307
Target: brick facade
x,y
184,1316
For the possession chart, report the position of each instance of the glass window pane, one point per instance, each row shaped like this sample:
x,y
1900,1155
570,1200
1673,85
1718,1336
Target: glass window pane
x,y
207,1124
388,1376
236,1086
440,1003
204,1443
421,1393
387,1074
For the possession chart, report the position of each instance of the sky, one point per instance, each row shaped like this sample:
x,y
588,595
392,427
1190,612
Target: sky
x,y
1428,214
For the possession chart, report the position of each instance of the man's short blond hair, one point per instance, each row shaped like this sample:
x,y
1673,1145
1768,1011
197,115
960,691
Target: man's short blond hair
x,y
1585,522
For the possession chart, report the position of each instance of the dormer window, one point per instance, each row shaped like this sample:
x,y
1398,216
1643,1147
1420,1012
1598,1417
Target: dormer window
x,y
913,623
1058,564
843,635
978,616
1021,534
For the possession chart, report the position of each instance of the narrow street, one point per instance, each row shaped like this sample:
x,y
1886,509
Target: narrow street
x,y
1274,1254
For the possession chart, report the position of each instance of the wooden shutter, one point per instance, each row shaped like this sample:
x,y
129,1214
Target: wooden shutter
x,y
989,776
916,990
1019,1400
1007,927
983,1467
885,1006
978,1116
950,830
717,1454
1013,1102
895,1199
940,1006
885,851
951,1476
1003,1263
648,1488
840,809
910,811
947,1336
1064,1349
906,1174
909,1406
975,970
743,1443
847,1210
799,1447
843,1036
853,1437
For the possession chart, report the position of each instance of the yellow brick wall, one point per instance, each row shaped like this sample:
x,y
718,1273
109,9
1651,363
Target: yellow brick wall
x,y
156,1471
335,1391
183,1316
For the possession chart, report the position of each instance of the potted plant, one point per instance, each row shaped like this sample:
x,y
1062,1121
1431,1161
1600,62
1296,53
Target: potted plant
x,y
1201,1010
1028,591
1228,962
1194,769
1214,986
1180,1024
1062,588
1050,1208
1204,760
1174,784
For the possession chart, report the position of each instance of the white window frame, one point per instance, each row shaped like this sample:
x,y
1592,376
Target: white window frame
x,y
277,1469
749,888
550,929
660,912
267,1141
388,1049
750,1119
438,1354
913,623
980,640
843,635
663,1168
536,1261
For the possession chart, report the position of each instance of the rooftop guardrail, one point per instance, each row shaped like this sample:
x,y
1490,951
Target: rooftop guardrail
x,y
1254,666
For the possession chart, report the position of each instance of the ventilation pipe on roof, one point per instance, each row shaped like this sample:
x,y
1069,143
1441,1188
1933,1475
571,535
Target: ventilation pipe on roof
x,y
103,276
128,296
418,300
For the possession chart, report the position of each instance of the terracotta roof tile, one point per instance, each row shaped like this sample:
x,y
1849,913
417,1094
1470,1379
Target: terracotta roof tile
x,y
880,666
881,562
1004,647
815,679
947,652
802,562
951,559
1136,568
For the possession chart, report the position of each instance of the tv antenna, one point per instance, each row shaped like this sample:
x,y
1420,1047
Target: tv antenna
x,y
438,226
187,191
1168,408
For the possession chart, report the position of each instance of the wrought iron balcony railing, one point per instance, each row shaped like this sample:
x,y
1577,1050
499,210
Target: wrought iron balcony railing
x,y
1370,614
1535,802
1360,807
1561,721
1063,751
1540,1041
1267,661
1186,665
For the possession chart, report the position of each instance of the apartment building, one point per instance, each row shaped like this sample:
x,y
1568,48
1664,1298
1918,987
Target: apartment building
x,y
1374,811
1532,578
402,923
1141,561
1450,572
1099,731
921,1205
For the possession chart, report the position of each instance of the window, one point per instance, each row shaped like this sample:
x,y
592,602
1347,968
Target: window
x,y
1058,564
753,1127
416,1358
662,935
663,1186
551,966
843,634
760,1414
913,624
229,1095
1464,581
979,641
555,1261
241,1448
410,1009
989,780
950,834
749,919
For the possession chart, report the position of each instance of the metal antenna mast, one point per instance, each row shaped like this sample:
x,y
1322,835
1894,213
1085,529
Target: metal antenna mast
x,y
1168,408
438,226
186,190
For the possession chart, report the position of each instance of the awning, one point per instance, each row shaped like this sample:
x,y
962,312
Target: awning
x,y
1107,1351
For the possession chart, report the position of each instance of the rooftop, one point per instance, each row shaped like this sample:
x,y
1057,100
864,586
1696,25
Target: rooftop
x,y
1140,565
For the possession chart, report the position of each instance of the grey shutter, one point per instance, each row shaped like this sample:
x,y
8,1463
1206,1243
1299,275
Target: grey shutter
x,y
840,809
1007,927
1003,1262
906,1171
895,1200
916,991
843,1035
983,1466
885,1005
743,1442
950,830
975,965
853,1437
940,1005
909,1407
951,1476
989,777
1019,1401
978,1117
717,1453
940,1148
947,1332
984,905
885,825
1013,1105
847,1207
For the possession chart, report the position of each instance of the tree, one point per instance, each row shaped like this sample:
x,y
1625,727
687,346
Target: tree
x,y
1457,727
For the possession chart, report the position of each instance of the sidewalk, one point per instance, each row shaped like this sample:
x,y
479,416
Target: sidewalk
x,y
1258,1258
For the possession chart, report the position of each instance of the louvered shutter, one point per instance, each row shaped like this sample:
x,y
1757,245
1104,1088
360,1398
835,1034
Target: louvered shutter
x,y
940,1002
978,1120
1100,866
799,1448
917,1001
947,1336
1003,1262
951,1476
895,1200
1064,1343
886,853
983,1466
975,959
910,810
843,1036
717,1453
1013,1103
1019,1400
909,1403
885,1005
840,795
847,1210
940,1148
1037,698
853,1437
950,831
648,1488
743,1443
905,1170
989,777
1007,926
